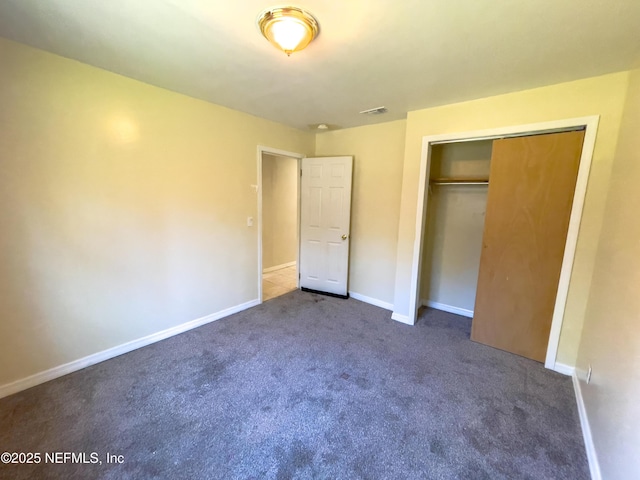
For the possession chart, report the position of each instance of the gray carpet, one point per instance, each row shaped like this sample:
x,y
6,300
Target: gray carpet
x,y
305,386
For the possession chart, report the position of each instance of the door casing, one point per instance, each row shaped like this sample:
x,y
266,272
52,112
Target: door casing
x,y
590,124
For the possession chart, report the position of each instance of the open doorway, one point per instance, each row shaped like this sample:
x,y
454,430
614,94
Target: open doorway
x,y
279,193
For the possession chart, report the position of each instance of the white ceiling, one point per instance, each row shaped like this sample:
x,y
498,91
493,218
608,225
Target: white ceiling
x,y
403,54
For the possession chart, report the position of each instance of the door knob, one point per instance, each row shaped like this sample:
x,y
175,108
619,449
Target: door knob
x,y
344,237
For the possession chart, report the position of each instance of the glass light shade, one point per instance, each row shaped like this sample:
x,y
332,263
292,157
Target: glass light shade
x,y
289,34
288,28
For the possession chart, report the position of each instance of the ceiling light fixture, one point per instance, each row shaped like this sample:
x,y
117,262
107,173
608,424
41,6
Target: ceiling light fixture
x,y
288,28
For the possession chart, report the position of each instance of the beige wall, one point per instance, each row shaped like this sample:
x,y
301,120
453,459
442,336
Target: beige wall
x,y
279,210
602,96
123,208
611,335
377,179
455,224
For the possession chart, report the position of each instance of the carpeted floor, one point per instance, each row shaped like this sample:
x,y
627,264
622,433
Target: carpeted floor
x,y
305,386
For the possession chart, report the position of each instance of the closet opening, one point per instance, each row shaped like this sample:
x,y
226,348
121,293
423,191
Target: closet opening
x,y
458,174
458,186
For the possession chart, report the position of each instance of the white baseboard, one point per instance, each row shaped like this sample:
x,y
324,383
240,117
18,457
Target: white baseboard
x,y
564,369
61,370
594,466
372,301
448,308
398,317
279,267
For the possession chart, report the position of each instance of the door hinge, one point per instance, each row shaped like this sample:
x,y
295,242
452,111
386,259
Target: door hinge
x,y
300,172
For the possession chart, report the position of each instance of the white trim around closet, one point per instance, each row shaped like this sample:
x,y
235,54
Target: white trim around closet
x,y
590,124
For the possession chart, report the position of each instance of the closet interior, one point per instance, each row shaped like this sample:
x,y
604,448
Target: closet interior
x,y
458,186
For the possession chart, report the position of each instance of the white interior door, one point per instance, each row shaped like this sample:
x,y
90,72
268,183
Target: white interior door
x,y
325,219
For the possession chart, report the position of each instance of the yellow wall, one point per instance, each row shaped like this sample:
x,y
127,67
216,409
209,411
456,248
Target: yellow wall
x,y
123,208
279,210
377,179
611,335
602,96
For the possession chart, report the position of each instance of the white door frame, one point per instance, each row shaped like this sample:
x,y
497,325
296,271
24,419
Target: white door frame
x,y
591,126
283,153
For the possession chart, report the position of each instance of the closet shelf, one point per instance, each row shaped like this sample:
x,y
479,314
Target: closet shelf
x,y
459,181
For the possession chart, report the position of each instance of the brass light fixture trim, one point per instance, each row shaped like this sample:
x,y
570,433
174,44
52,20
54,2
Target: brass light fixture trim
x,y
289,29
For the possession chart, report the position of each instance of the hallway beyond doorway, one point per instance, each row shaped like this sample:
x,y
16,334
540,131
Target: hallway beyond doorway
x,y
278,282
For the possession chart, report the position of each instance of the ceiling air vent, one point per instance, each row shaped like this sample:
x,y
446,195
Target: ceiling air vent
x,y
374,111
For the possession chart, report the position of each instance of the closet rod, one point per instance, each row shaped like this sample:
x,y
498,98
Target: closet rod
x,y
458,181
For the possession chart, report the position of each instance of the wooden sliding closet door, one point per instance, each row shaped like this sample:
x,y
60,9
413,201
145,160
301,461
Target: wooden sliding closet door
x,y
531,189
